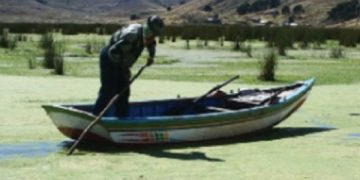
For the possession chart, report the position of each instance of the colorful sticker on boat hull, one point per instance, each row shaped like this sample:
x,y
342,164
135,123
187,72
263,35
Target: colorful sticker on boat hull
x,y
143,137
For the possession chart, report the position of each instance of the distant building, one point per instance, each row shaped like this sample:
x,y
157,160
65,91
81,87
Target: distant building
x,y
292,24
214,20
262,22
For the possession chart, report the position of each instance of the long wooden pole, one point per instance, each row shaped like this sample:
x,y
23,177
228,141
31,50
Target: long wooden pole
x,y
215,89
97,119
195,101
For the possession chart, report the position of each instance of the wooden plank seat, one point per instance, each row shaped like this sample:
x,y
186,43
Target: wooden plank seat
x,y
218,109
241,101
256,102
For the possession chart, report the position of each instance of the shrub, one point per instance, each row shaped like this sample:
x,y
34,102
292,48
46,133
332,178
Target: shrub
x,y
291,19
275,3
7,40
337,52
21,38
199,43
281,50
282,39
243,9
161,39
47,43
100,31
53,53
134,17
303,44
344,11
49,55
244,47
285,10
89,47
187,43
31,61
260,5
238,44
348,37
173,39
93,45
59,60
248,50
54,58
268,66
221,41
207,8
47,40
42,2
206,42
298,9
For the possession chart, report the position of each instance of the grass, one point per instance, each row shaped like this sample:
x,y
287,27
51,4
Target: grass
x,y
320,141
173,63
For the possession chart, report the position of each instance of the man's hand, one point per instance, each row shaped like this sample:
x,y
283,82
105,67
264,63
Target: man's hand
x,y
150,61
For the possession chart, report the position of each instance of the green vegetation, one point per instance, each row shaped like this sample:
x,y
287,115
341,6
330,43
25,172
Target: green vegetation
x,y
94,45
268,66
176,62
53,57
7,40
337,52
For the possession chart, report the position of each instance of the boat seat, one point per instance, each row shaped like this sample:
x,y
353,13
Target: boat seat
x,y
239,101
218,109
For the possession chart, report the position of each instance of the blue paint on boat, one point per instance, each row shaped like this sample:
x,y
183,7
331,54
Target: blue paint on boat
x,y
30,149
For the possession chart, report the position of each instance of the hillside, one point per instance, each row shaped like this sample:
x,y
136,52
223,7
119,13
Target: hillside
x,y
313,12
85,11
254,12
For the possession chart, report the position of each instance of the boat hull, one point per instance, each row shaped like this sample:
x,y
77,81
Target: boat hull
x,y
176,129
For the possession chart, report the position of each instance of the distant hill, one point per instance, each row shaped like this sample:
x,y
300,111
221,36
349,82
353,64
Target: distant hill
x,y
85,11
254,12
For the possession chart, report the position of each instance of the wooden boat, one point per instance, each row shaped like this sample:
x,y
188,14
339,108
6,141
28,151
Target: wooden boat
x,y
177,120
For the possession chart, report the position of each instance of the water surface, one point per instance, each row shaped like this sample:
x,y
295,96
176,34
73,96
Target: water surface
x,y
31,149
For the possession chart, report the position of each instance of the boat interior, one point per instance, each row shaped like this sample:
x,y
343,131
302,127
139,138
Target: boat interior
x,y
215,103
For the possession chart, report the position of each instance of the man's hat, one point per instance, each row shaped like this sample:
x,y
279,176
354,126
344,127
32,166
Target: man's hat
x,y
155,25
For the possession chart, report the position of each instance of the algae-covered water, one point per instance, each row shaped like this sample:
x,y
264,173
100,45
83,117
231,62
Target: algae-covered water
x,y
30,149
320,141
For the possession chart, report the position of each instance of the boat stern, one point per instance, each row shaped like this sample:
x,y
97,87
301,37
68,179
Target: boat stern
x,y
71,122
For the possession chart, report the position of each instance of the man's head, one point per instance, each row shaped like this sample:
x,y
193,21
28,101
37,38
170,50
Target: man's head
x,y
153,27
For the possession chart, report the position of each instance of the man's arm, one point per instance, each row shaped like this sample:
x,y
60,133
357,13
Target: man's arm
x,y
152,51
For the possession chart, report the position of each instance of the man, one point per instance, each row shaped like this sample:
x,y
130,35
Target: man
x,y
116,59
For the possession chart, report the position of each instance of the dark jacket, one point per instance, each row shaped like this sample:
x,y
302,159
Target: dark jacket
x,y
127,44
